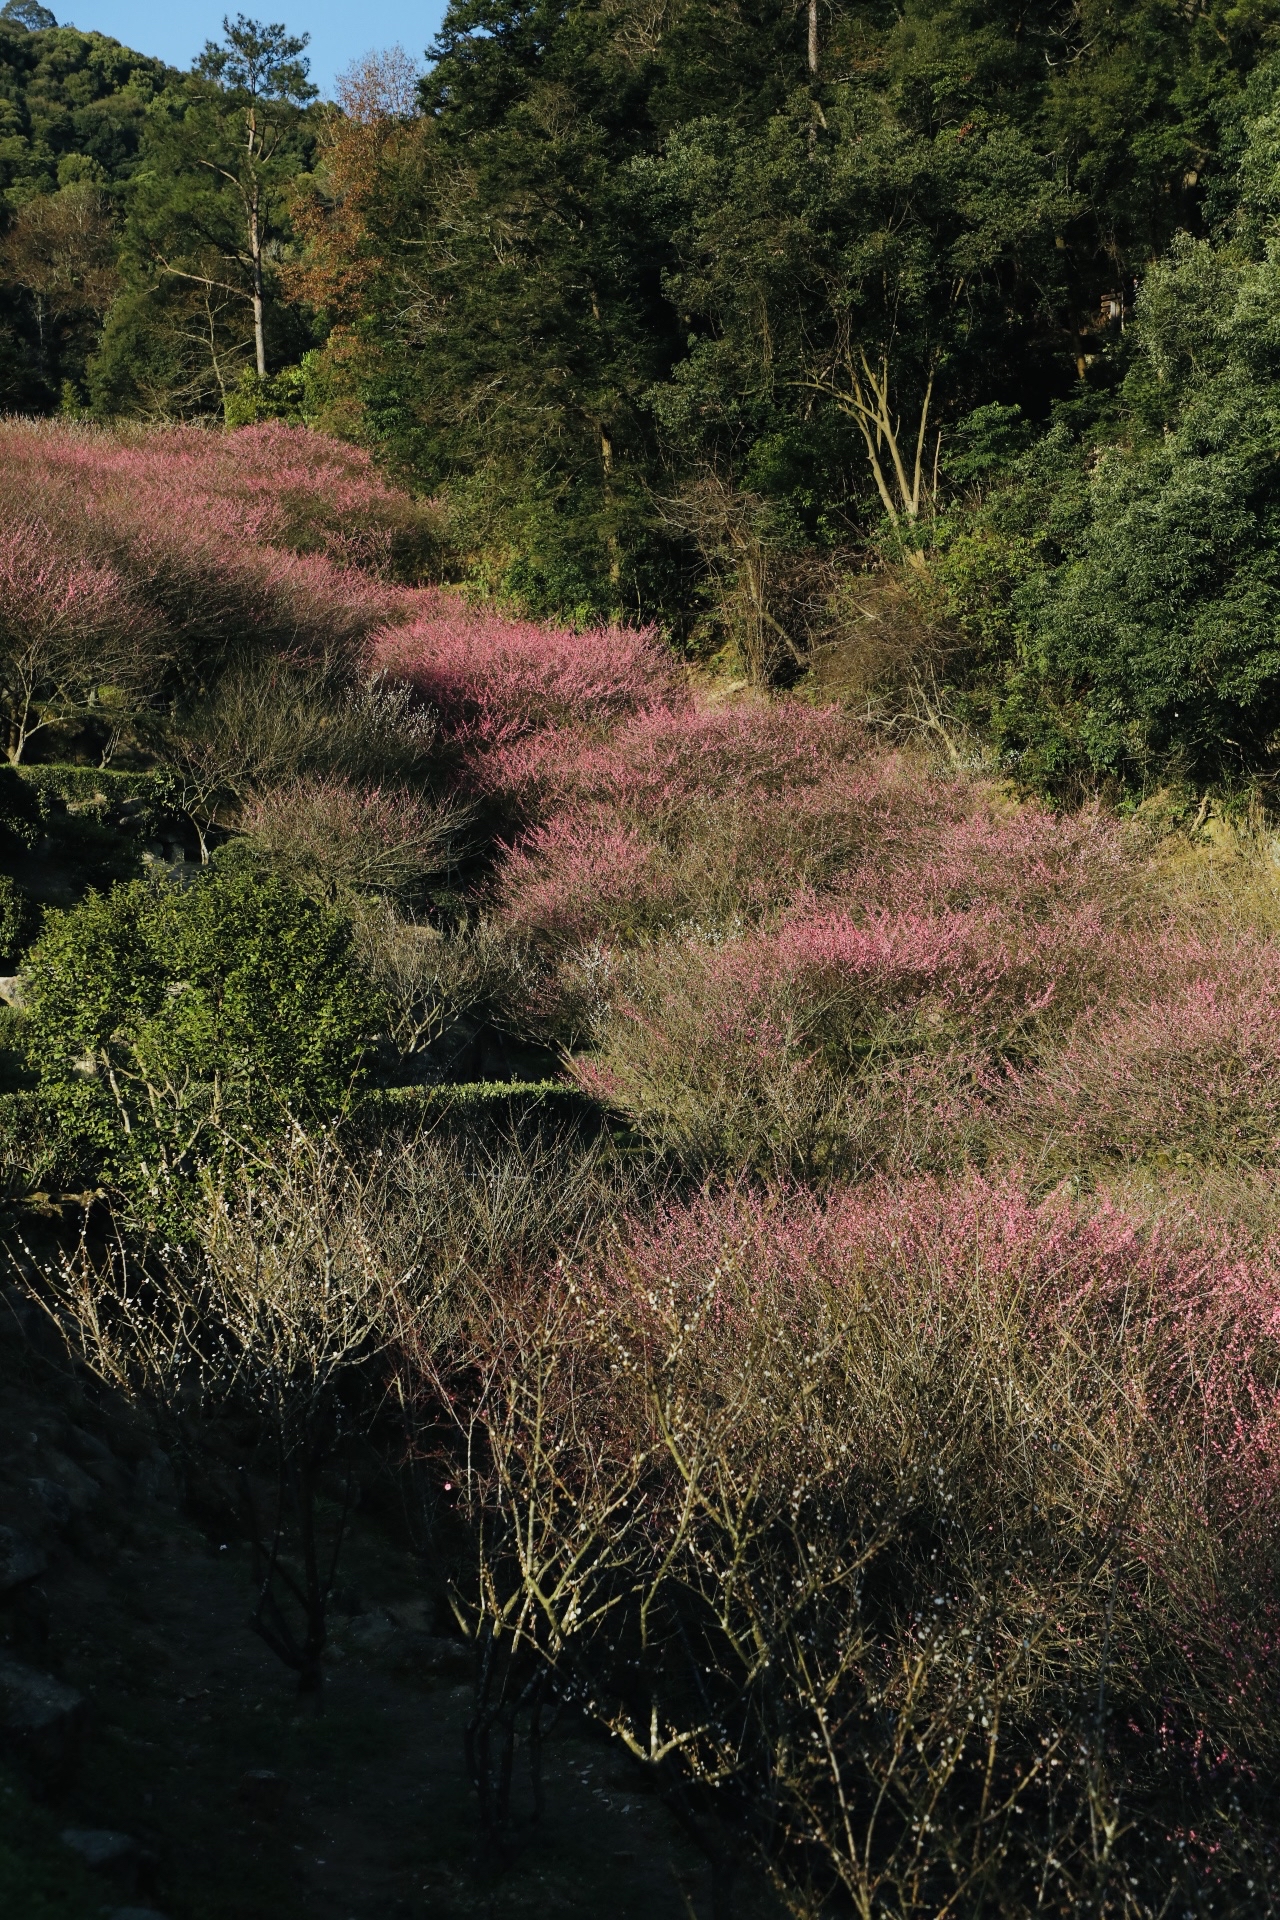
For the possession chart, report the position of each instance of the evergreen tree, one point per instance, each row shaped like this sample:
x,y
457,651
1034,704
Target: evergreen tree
x,y
207,221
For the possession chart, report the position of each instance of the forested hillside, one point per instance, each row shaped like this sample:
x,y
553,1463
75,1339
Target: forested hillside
x,y
639,1010
930,349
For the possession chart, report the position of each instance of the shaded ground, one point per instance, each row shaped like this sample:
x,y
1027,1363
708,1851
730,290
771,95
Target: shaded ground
x,y
241,1807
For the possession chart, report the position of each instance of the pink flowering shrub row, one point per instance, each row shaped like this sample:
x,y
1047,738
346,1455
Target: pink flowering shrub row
x,y
1183,1073
718,822
833,1044
493,681
192,541
781,946
333,834
908,1536
674,755
774,944
44,594
973,1272
784,800
272,484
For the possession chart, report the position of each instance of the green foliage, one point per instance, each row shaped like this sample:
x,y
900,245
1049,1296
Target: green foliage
x,y
655,252
17,918
97,793
1119,581
279,396
72,110
679,327
164,1023
68,98
21,818
205,229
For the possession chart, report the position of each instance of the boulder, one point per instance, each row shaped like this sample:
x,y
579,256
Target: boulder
x,y
372,1632
81,1489
113,1854
443,1655
53,1500
263,1793
154,1478
41,1720
20,1560
97,1460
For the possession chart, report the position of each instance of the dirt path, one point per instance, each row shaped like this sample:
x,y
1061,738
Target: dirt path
x,y
244,1808
365,1811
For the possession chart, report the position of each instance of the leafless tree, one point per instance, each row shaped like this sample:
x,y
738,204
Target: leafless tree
x,y
772,598
861,385
273,1318
61,248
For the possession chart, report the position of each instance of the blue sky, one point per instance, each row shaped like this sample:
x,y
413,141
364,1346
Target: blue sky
x,y
340,31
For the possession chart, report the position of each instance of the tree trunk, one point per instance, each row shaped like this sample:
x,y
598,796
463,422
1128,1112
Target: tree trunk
x,y
255,250
255,254
813,38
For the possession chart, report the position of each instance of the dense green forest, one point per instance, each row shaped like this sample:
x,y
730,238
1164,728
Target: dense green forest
x,y
936,341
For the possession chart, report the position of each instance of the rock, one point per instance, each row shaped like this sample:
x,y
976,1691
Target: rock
x,y
53,1499
11,990
263,1793
80,1488
88,1449
440,1653
20,1560
372,1632
417,1615
41,1720
154,1478
97,1460
18,1314
112,1854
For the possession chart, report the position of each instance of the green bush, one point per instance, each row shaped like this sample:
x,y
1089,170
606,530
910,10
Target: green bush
x,y
17,918
165,1024
136,802
1119,583
21,824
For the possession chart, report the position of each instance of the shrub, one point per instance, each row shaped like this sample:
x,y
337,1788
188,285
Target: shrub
x,y
921,1543
827,1045
274,1314
166,1026
68,626
492,679
21,821
668,757
150,557
711,862
334,835
1187,1075
703,826
17,918
694,825
789,949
